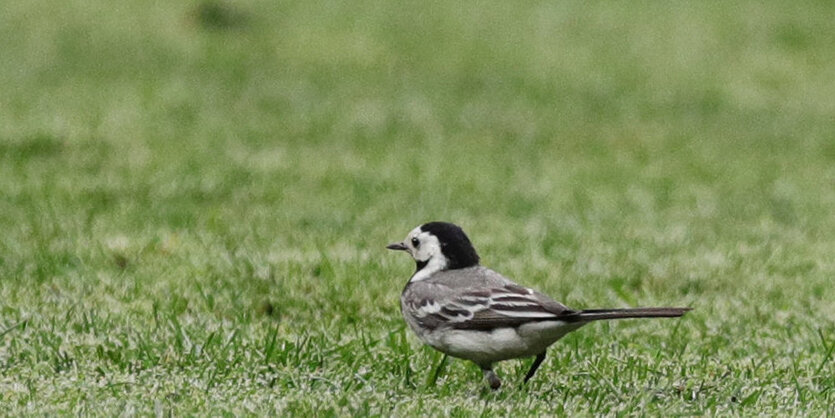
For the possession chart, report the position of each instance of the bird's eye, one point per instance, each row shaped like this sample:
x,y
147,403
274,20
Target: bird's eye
x,y
415,242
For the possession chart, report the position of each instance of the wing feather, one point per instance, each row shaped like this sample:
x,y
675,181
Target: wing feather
x,y
507,306
479,299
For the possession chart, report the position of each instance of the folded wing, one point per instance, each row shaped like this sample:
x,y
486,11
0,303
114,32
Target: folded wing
x,y
486,309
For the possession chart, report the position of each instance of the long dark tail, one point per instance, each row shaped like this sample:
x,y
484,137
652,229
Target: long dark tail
x,y
598,314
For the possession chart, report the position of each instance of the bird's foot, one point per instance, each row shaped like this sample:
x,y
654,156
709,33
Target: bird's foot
x,y
492,379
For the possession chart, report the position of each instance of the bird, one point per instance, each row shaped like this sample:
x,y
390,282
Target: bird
x,y
468,311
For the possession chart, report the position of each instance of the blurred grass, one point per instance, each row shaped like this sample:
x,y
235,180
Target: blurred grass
x,y
195,198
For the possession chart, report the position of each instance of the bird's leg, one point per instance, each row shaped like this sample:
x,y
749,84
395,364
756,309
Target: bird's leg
x,y
538,361
494,381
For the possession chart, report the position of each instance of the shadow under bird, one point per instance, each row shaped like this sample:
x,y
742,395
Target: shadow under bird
x,y
471,312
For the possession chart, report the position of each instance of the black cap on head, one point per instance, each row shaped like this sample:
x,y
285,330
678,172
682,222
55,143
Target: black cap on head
x,y
455,245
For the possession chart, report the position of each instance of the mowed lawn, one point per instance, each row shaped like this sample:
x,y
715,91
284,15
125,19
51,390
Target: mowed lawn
x,y
195,198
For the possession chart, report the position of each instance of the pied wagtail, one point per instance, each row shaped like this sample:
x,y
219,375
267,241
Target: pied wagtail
x,y
471,312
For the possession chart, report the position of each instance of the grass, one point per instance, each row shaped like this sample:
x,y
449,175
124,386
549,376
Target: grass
x,y
196,197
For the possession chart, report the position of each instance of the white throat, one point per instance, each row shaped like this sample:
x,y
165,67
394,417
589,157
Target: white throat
x,y
435,264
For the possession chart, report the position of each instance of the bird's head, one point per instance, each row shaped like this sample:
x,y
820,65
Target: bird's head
x,y
438,246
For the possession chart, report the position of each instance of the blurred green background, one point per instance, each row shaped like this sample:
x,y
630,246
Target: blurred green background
x,y
195,197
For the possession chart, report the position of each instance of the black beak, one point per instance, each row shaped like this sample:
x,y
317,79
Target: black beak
x,y
396,246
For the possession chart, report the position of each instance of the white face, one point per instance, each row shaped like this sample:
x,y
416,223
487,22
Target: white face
x,y
422,246
425,248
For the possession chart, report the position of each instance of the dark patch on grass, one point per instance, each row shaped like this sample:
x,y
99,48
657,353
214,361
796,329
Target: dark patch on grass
x,y
267,308
219,15
323,269
30,147
121,261
791,36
